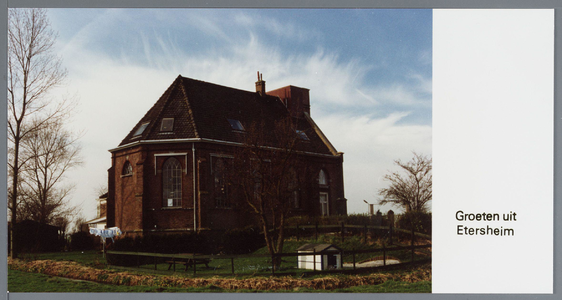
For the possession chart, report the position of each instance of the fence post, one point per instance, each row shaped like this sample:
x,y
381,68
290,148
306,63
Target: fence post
x,y
272,263
412,243
316,231
342,229
232,264
298,232
383,253
353,260
365,234
194,262
314,257
155,264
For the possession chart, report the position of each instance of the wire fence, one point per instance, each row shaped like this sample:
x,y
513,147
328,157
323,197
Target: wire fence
x,y
287,263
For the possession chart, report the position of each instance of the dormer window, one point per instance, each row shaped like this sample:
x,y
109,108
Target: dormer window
x,y
141,129
167,125
236,125
302,135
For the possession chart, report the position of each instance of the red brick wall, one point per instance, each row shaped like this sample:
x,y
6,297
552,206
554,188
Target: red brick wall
x,y
138,198
127,194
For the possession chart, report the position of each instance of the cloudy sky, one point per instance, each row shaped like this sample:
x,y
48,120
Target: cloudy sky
x,y
368,71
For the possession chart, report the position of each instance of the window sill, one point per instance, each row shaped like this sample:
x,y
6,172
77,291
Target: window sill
x,y
127,175
175,208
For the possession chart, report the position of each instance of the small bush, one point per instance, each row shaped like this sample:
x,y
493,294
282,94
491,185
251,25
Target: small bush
x,y
81,241
242,241
420,220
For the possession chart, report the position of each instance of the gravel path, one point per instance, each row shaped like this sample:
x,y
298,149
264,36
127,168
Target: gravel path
x,y
372,263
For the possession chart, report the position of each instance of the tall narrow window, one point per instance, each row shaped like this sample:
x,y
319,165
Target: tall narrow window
x,y
324,209
324,196
221,185
127,169
294,188
322,178
171,175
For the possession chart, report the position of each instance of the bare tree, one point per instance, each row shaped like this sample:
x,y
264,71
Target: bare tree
x,y
267,178
101,190
33,70
411,188
52,151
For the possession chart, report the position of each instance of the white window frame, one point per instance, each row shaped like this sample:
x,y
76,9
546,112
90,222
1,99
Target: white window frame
x,y
166,200
326,204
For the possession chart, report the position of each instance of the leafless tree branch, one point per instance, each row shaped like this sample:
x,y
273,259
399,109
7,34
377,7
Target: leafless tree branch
x,y
412,190
33,71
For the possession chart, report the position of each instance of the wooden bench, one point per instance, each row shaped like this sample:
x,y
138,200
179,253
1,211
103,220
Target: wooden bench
x,y
188,262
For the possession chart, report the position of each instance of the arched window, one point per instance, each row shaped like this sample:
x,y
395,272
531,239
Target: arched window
x,y
127,169
322,178
171,176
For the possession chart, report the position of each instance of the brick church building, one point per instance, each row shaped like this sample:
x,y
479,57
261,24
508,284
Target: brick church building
x,y
164,174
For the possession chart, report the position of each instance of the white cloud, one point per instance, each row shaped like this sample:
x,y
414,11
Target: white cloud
x,y
370,147
255,21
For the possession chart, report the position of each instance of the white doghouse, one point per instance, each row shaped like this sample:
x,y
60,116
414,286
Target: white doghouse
x,y
319,257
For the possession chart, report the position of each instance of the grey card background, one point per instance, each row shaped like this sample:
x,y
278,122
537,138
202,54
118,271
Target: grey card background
x,y
316,4
492,150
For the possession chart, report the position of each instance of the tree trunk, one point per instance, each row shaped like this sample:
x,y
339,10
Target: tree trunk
x,y
14,196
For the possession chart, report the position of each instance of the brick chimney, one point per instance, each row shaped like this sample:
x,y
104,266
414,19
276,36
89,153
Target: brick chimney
x,y
260,84
296,99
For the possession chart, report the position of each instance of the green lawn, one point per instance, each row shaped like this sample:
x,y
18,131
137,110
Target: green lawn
x,y
223,267
244,268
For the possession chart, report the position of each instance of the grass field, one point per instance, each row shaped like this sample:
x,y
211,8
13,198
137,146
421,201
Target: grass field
x,y
245,268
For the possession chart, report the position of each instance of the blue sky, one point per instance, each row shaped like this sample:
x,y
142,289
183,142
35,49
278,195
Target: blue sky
x,y
368,71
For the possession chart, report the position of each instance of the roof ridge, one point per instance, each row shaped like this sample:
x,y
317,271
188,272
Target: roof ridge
x,y
142,120
226,87
166,94
321,134
189,110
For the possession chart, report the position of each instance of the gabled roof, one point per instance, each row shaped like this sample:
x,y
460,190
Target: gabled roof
x,y
202,110
318,248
